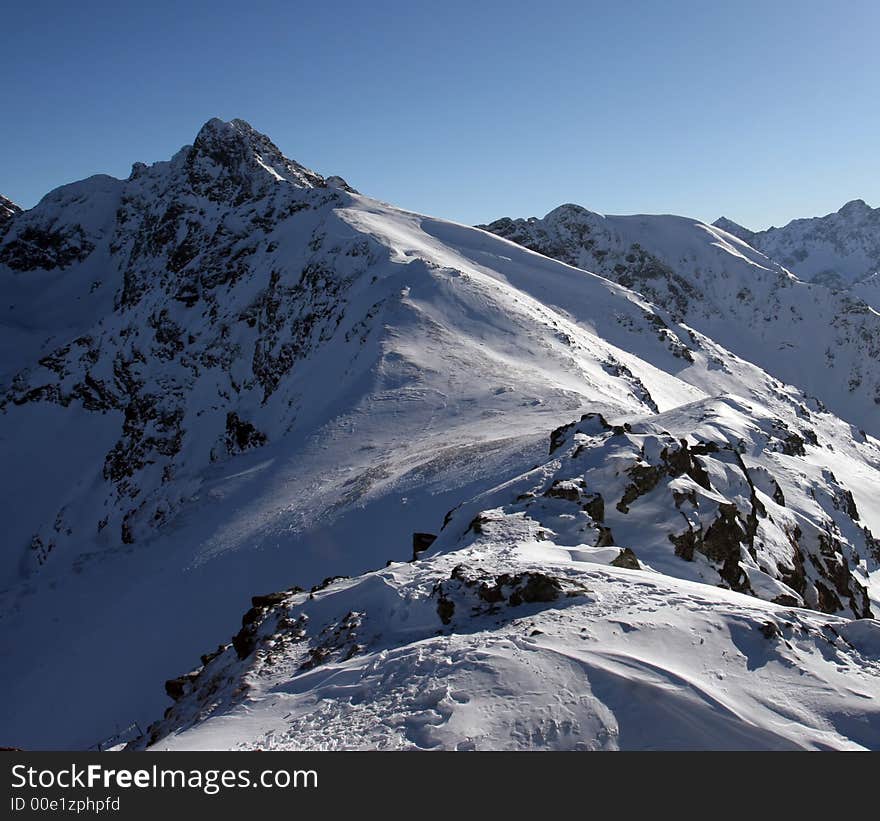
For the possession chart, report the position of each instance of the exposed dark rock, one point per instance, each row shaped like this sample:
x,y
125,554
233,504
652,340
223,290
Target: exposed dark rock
x,y
271,599
46,249
252,616
794,576
241,435
644,479
590,423
8,210
421,542
245,641
721,543
177,688
514,589
778,495
207,658
605,538
595,506
828,599
564,489
330,579
683,460
478,523
445,609
532,587
685,543
336,642
769,629
627,559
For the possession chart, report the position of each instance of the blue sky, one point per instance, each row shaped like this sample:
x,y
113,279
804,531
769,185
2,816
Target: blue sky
x,y
763,111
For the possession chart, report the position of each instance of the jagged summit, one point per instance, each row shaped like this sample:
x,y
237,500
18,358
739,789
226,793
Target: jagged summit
x,y
570,208
216,129
229,162
335,181
234,160
8,209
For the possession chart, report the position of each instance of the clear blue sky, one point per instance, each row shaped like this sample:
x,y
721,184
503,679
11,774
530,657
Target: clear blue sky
x,y
763,111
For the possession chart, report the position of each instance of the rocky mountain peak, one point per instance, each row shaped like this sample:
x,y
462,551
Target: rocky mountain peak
x,y
8,209
224,141
226,370
232,160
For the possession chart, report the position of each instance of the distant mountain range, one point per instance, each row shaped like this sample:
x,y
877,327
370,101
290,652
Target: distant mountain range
x,y
838,249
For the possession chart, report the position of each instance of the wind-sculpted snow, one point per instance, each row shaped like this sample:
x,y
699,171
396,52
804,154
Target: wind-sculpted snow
x,y
554,619
227,373
825,341
623,659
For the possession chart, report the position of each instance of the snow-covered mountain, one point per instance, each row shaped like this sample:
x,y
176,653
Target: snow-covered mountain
x,y
824,341
215,303
228,374
838,249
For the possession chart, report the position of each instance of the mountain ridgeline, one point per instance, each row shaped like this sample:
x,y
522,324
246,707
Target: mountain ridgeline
x,y
839,249
825,340
228,374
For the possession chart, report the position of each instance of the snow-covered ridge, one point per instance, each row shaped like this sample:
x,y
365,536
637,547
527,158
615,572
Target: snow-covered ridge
x,y
536,654
220,372
826,342
517,629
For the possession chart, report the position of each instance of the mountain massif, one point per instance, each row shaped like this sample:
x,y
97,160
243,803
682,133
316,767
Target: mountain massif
x,y
616,470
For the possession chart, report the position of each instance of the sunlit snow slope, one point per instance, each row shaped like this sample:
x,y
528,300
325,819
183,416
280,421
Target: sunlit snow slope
x,y
824,340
